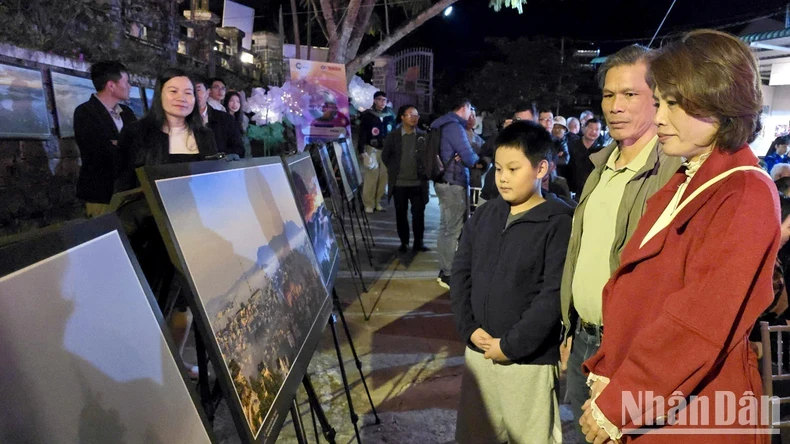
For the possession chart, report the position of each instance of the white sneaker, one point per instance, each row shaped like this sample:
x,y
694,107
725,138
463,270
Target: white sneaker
x,y
380,208
369,210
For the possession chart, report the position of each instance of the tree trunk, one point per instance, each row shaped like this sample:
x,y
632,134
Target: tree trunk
x,y
309,32
360,29
331,28
295,21
368,57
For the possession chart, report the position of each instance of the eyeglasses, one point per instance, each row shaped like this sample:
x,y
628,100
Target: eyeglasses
x,y
546,119
222,87
412,115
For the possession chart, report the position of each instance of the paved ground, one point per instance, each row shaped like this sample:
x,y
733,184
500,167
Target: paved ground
x,y
410,353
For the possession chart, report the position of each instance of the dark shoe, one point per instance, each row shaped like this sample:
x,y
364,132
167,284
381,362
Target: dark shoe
x,y
403,248
421,248
441,275
444,282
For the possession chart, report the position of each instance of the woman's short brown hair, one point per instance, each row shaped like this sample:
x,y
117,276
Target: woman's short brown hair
x,y
712,74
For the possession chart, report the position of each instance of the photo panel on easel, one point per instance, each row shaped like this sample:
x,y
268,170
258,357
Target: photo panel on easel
x,y
344,164
86,353
354,158
316,216
256,286
323,165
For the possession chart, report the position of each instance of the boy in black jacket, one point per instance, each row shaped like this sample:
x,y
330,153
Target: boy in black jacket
x,y
505,290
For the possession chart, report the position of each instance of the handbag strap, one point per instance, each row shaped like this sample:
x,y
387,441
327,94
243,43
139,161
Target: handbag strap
x,y
662,223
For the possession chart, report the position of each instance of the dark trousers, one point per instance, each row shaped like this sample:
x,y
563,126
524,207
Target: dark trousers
x,y
577,393
403,197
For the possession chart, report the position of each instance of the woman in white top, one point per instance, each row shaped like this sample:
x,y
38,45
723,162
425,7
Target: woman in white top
x,y
171,132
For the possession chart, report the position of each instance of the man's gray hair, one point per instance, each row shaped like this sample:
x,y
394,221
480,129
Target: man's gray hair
x,y
628,56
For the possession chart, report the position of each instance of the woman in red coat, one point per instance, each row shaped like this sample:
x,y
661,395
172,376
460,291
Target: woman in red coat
x,y
697,272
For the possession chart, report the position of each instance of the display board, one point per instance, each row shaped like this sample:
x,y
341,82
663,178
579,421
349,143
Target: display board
x,y
23,106
323,163
310,201
70,92
326,117
345,164
86,356
256,289
135,101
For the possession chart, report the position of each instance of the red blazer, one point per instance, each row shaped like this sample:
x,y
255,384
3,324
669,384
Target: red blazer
x,y
678,311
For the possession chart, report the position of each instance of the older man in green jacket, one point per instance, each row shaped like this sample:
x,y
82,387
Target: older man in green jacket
x,y
627,173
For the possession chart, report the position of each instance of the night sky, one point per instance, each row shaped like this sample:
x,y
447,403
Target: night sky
x,y
458,40
601,23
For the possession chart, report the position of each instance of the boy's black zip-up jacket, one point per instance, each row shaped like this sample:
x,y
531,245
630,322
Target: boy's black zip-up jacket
x,y
507,281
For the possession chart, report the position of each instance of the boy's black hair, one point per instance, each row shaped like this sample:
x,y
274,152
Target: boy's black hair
x,y
215,79
379,94
532,139
104,71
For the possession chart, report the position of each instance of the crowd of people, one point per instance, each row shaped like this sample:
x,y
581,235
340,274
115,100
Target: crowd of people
x,y
190,119
666,229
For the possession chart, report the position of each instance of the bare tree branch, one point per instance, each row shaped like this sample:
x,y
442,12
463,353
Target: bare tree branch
x,y
295,21
401,32
318,19
331,26
360,28
346,28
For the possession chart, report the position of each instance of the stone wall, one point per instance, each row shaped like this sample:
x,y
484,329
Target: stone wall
x,y
38,177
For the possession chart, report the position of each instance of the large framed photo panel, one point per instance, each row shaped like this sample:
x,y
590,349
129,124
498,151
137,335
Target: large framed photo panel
x,y
135,101
323,164
23,105
345,165
86,356
70,92
316,216
354,158
256,289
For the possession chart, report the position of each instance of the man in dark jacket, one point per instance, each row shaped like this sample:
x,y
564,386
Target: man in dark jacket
x,y
403,155
504,291
374,125
226,133
457,155
97,126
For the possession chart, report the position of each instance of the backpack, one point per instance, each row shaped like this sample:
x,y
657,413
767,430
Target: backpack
x,y
434,165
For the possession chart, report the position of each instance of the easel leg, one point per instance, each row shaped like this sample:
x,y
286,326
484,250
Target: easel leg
x,y
339,308
296,417
328,431
315,424
204,389
350,256
354,208
352,413
365,220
